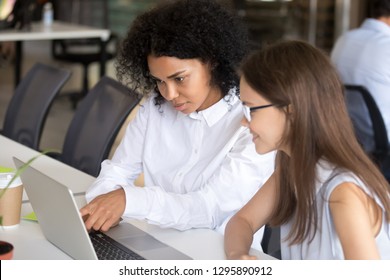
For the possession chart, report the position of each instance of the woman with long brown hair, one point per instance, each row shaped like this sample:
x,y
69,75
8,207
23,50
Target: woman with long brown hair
x,y
329,199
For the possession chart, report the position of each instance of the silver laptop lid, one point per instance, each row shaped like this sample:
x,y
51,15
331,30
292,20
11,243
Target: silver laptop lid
x,y
62,224
57,213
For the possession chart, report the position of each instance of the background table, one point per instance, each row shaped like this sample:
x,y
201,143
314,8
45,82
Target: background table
x,y
58,30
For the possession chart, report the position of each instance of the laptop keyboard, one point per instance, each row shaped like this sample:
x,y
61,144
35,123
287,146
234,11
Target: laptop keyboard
x,y
108,249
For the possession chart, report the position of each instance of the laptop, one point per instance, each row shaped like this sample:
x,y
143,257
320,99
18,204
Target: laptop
x,y
62,224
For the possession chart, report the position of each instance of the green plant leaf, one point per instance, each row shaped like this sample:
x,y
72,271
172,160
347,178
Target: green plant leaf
x,y
21,169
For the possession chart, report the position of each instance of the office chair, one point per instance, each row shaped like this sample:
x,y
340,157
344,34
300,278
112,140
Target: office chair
x,y
93,13
27,111
363,109
271,242
95,125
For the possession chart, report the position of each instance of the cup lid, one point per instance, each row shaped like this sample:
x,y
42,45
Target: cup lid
x,y
6,177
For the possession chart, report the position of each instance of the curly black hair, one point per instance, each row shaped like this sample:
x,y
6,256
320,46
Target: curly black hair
x,y
185,29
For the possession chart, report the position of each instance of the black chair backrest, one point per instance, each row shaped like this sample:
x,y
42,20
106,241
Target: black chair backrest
x,y
93,13
96,124
84,51
356,94
271,241
85,12
30,104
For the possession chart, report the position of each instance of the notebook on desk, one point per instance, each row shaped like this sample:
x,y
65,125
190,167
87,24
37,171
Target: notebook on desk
x,y
62,224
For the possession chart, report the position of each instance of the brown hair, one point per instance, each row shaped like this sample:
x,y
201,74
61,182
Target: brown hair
x,y
301,75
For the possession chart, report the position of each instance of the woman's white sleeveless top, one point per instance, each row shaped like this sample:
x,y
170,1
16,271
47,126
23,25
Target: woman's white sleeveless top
x,y
326,244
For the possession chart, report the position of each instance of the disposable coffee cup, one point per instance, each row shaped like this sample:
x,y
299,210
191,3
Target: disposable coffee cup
x,y
10,200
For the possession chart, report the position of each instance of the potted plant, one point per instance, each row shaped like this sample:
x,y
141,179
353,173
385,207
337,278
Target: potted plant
x,y
6,250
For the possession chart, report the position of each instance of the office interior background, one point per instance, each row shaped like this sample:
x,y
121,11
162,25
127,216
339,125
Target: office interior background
x,y
319,22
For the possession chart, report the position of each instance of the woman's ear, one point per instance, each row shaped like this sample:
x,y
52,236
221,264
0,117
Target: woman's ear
x,y
289,109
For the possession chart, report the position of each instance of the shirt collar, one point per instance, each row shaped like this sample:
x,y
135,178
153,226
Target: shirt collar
x,y
376,25
215,112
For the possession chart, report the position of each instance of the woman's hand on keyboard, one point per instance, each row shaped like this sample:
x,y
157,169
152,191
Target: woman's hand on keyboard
x,y
104,211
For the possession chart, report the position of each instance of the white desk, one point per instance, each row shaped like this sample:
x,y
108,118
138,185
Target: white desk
x,y
30,243
59,30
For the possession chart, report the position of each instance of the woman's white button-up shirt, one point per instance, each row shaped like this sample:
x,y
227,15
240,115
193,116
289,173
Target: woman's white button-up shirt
x,y
199,169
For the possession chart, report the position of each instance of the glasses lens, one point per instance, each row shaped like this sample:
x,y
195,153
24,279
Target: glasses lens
x,y
247,113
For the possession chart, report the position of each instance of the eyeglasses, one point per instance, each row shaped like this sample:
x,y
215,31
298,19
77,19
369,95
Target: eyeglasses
x,y
247,110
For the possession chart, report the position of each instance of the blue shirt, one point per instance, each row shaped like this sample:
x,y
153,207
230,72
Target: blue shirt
x,y
362,57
